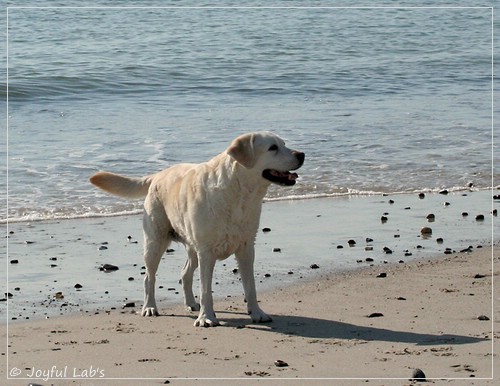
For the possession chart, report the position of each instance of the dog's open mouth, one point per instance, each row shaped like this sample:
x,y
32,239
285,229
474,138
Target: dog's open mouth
x,y
280,178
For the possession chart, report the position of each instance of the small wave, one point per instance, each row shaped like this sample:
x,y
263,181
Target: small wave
x,y
36,217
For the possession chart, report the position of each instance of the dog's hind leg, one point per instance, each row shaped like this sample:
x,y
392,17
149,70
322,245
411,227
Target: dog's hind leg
x,y
156,240
187,280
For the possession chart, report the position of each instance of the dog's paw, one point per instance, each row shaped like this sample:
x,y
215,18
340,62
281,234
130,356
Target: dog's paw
x,y
205,321
259,316
149,311
193,307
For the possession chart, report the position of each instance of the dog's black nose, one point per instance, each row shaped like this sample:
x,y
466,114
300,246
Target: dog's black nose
x,y
300,156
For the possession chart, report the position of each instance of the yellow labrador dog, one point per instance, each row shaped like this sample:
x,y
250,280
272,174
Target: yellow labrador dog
x,y
213,208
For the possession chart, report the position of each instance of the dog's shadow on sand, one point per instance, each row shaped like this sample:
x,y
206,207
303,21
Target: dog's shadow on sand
x,y
315,328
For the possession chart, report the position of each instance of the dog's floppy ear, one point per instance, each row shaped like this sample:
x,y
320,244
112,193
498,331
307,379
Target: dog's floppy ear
x,y
242,150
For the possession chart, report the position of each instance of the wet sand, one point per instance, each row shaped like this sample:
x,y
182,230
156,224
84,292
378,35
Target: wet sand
x,y
424,298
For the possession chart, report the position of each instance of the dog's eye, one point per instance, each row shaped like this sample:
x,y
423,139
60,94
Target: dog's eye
x,y
273,148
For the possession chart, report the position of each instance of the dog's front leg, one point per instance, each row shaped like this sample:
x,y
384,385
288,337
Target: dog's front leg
x,y
245,257
207,316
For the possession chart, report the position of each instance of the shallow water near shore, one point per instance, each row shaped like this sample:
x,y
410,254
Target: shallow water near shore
x,y
307,238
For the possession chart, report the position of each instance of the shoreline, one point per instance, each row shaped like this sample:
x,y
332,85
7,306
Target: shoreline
x,y
429,319
429,295
47,260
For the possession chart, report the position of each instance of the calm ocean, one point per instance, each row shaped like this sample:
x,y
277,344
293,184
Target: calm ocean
x,y
380,99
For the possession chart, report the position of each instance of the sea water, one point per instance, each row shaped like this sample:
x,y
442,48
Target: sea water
x,y
385,99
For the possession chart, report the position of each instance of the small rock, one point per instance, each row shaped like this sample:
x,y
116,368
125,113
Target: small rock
x,y
391,202
340,246
78,286
369,260
131,279
129,305
266,230
426,231
314,266
376,315
351,243
280,363
446,203
235,270
276,249
14,261
431,217
102,248
439,240
383,219
483,318
108,268
369,240
267,275
479,276
444,192
387,250
369,248
465,214
421,195
480,217
58,295
382,275
418,375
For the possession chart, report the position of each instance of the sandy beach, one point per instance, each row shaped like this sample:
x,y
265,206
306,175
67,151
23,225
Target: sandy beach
x,y
371,318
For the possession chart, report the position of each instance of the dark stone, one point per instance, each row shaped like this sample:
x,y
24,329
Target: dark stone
x,y
129,305
267,275
14,261
418,375
78,286
383,219
265,230
426,231
108,268
369,240
439,240
280,363
444,192
376,315
382,275
480,217
465,214
479,276
483,318
102,248
276,249
387,250
369,260
421,195
351,243
314,266
431,217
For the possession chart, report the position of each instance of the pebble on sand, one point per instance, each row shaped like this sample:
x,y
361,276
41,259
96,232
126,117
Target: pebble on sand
x,y
280,363
418,375
426,231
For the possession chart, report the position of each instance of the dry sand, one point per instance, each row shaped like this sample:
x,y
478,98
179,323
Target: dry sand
x,y
428,319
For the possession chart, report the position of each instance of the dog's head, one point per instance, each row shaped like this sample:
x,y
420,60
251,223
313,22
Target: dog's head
x,y
267,154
